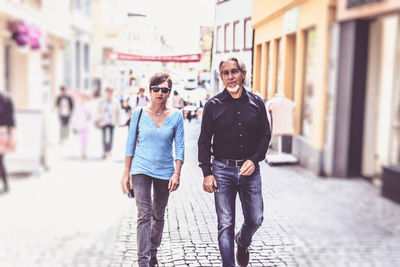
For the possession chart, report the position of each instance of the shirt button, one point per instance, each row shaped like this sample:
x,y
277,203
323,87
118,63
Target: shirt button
x,y
240,134
238,112
240,123
241,146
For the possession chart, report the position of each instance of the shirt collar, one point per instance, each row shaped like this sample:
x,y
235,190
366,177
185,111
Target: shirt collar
x,y
226,95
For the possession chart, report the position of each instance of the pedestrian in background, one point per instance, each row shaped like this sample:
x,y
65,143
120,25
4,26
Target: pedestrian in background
x,y
235,131
177,101
153,165
7,135
140,100
81,121
108,118
65,106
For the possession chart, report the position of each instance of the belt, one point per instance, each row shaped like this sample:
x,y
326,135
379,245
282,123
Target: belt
x,y
232,162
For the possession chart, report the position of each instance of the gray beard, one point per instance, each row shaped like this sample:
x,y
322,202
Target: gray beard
x,y
234,89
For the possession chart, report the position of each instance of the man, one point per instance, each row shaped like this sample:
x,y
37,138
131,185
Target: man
x,y
140,100
108,118
236,122
65,106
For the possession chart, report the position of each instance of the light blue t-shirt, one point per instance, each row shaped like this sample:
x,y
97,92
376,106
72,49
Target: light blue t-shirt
x,y
154,154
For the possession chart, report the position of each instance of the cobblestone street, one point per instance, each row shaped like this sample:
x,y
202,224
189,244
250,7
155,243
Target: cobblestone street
x,y
75,215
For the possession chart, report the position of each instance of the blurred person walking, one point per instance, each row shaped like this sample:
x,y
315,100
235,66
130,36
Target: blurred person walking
x,y
177,101
152,165
107,119
235,132
81,121
141,100
65,106
7,135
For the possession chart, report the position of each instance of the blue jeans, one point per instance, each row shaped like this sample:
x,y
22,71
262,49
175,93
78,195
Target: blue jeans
x,y
249,188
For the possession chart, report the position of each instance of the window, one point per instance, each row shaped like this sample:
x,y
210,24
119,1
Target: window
x,y
279,66
228,38
7,67
77,65
248,34
237,36
86,57
219,40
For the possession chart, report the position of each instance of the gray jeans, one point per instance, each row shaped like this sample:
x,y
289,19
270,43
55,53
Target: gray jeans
x,y
150,222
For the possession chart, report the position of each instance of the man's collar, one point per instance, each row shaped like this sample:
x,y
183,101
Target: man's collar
x,y
226,95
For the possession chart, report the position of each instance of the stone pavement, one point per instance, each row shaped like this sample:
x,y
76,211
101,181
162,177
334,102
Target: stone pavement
x,y
75,216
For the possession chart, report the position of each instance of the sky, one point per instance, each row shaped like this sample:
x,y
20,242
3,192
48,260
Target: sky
x,y
178,20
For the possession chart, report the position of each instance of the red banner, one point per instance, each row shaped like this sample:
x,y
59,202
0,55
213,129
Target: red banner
x,y
131,57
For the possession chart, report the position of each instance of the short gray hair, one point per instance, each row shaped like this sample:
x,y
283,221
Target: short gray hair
x,y
240,64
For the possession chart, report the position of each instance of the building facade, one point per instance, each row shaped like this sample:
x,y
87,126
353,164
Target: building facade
x,y
368,93
291,57
233,37
32,50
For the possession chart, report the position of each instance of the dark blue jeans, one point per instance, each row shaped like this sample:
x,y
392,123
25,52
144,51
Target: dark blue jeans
x,y
249,188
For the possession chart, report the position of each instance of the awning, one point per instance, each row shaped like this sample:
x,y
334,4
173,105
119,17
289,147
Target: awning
x,y
131,57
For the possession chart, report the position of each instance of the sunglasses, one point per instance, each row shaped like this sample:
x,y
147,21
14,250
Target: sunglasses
x,y
155,89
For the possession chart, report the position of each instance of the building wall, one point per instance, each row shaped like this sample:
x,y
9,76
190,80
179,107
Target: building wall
x,y
229,13
280,38
366,11
381,102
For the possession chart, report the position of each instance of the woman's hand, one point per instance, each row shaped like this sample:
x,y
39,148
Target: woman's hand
x,y
126,183
174,182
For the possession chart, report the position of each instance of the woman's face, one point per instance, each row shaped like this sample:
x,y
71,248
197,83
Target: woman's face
x,y
160,97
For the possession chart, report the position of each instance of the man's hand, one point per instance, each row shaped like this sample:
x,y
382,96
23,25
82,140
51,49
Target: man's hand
x,y
247,168
210,184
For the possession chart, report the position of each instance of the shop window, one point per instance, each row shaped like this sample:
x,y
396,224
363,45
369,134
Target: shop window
x,y
237,37
309,86
248,34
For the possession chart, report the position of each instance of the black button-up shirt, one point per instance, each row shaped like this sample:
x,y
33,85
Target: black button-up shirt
x,y
233,128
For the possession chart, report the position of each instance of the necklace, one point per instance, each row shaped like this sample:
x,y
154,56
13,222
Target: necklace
x,y
158,113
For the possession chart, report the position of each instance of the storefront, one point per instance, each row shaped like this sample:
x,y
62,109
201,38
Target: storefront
x,y
368,104
291,47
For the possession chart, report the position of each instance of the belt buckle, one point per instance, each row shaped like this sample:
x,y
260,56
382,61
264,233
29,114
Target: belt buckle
x,y
237,162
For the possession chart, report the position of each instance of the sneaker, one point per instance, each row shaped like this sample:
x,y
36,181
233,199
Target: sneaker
x,y
153,261
242,254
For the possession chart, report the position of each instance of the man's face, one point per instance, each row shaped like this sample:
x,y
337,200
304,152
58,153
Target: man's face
x,y
231,75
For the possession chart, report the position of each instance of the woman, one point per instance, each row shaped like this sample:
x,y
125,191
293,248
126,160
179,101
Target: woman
x,y
81,121
7,134
153,164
